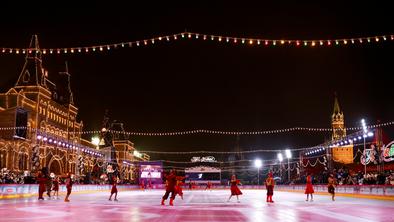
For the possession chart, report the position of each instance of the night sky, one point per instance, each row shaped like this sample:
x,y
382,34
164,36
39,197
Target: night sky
x,y
184,85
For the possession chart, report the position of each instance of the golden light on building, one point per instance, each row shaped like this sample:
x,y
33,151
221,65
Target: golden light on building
x,y
341,154
49,133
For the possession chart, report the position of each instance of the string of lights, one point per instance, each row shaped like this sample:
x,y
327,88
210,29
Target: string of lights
x,y
216,162
215,132
198,36
266,162
291,42
311,150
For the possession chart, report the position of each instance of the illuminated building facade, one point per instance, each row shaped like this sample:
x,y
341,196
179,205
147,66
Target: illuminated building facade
x,y
39,126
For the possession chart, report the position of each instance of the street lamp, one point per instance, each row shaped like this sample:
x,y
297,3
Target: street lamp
x,y
365,131
288,156
280,158
95,141
258,163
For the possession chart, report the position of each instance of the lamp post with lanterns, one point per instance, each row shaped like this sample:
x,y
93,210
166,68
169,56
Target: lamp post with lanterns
x,y
288,156
258,163
280,158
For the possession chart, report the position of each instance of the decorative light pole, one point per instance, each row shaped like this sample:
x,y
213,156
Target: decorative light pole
x,y
365,131
280,158
258,163
96,141
288,156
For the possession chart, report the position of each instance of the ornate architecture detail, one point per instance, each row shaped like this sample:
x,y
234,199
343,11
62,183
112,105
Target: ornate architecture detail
x,y
338,122
49,134
342,154
45,111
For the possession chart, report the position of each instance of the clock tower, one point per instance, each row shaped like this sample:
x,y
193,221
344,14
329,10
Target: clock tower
x,y
337,122
342,154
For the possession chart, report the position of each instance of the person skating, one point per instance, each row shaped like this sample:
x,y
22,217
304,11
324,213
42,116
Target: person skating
x,y
171,183
209,186
178,187
269,184
142,185
48,185
235,191
55,187
114,190
331,186
309,187
41,179
69,185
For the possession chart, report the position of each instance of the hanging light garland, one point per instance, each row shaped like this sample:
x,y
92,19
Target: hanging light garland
x,y
205,37
215,132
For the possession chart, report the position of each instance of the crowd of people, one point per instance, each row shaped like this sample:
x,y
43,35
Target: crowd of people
x,y
7,177
11,177
345,176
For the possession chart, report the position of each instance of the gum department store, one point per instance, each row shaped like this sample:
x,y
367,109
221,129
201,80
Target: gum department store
x,y
39,127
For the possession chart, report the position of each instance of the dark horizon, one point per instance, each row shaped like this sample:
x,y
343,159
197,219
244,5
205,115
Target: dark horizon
x,y
186,85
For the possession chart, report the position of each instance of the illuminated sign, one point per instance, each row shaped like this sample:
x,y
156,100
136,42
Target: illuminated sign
x,y
203,159
145,174
151,171
388,152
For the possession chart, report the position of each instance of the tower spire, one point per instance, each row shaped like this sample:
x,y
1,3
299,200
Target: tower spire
x,y
338,121
32,73
69,92
337,109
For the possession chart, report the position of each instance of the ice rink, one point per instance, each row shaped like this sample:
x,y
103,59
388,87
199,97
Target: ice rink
x,y
196,206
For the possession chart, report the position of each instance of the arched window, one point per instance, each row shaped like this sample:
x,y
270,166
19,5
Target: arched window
x,y
3,159
23,161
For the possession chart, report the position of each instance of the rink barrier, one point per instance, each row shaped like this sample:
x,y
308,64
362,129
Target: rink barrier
x,y
28,190
378,190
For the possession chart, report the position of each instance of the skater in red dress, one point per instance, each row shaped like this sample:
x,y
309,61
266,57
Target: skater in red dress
x,y
269,184
114,190
178,187
309,187
42,180
55,187
171,183
209,185
234,188
142,185
69,186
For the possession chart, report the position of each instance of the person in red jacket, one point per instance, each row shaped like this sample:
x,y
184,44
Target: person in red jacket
x,y
171,183
114,190
42,180
234,188
309,187
209,186
55,187
269,184
178,186
69,185
142,185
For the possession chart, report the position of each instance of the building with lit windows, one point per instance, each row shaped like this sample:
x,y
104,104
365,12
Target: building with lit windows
x,y
39,126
